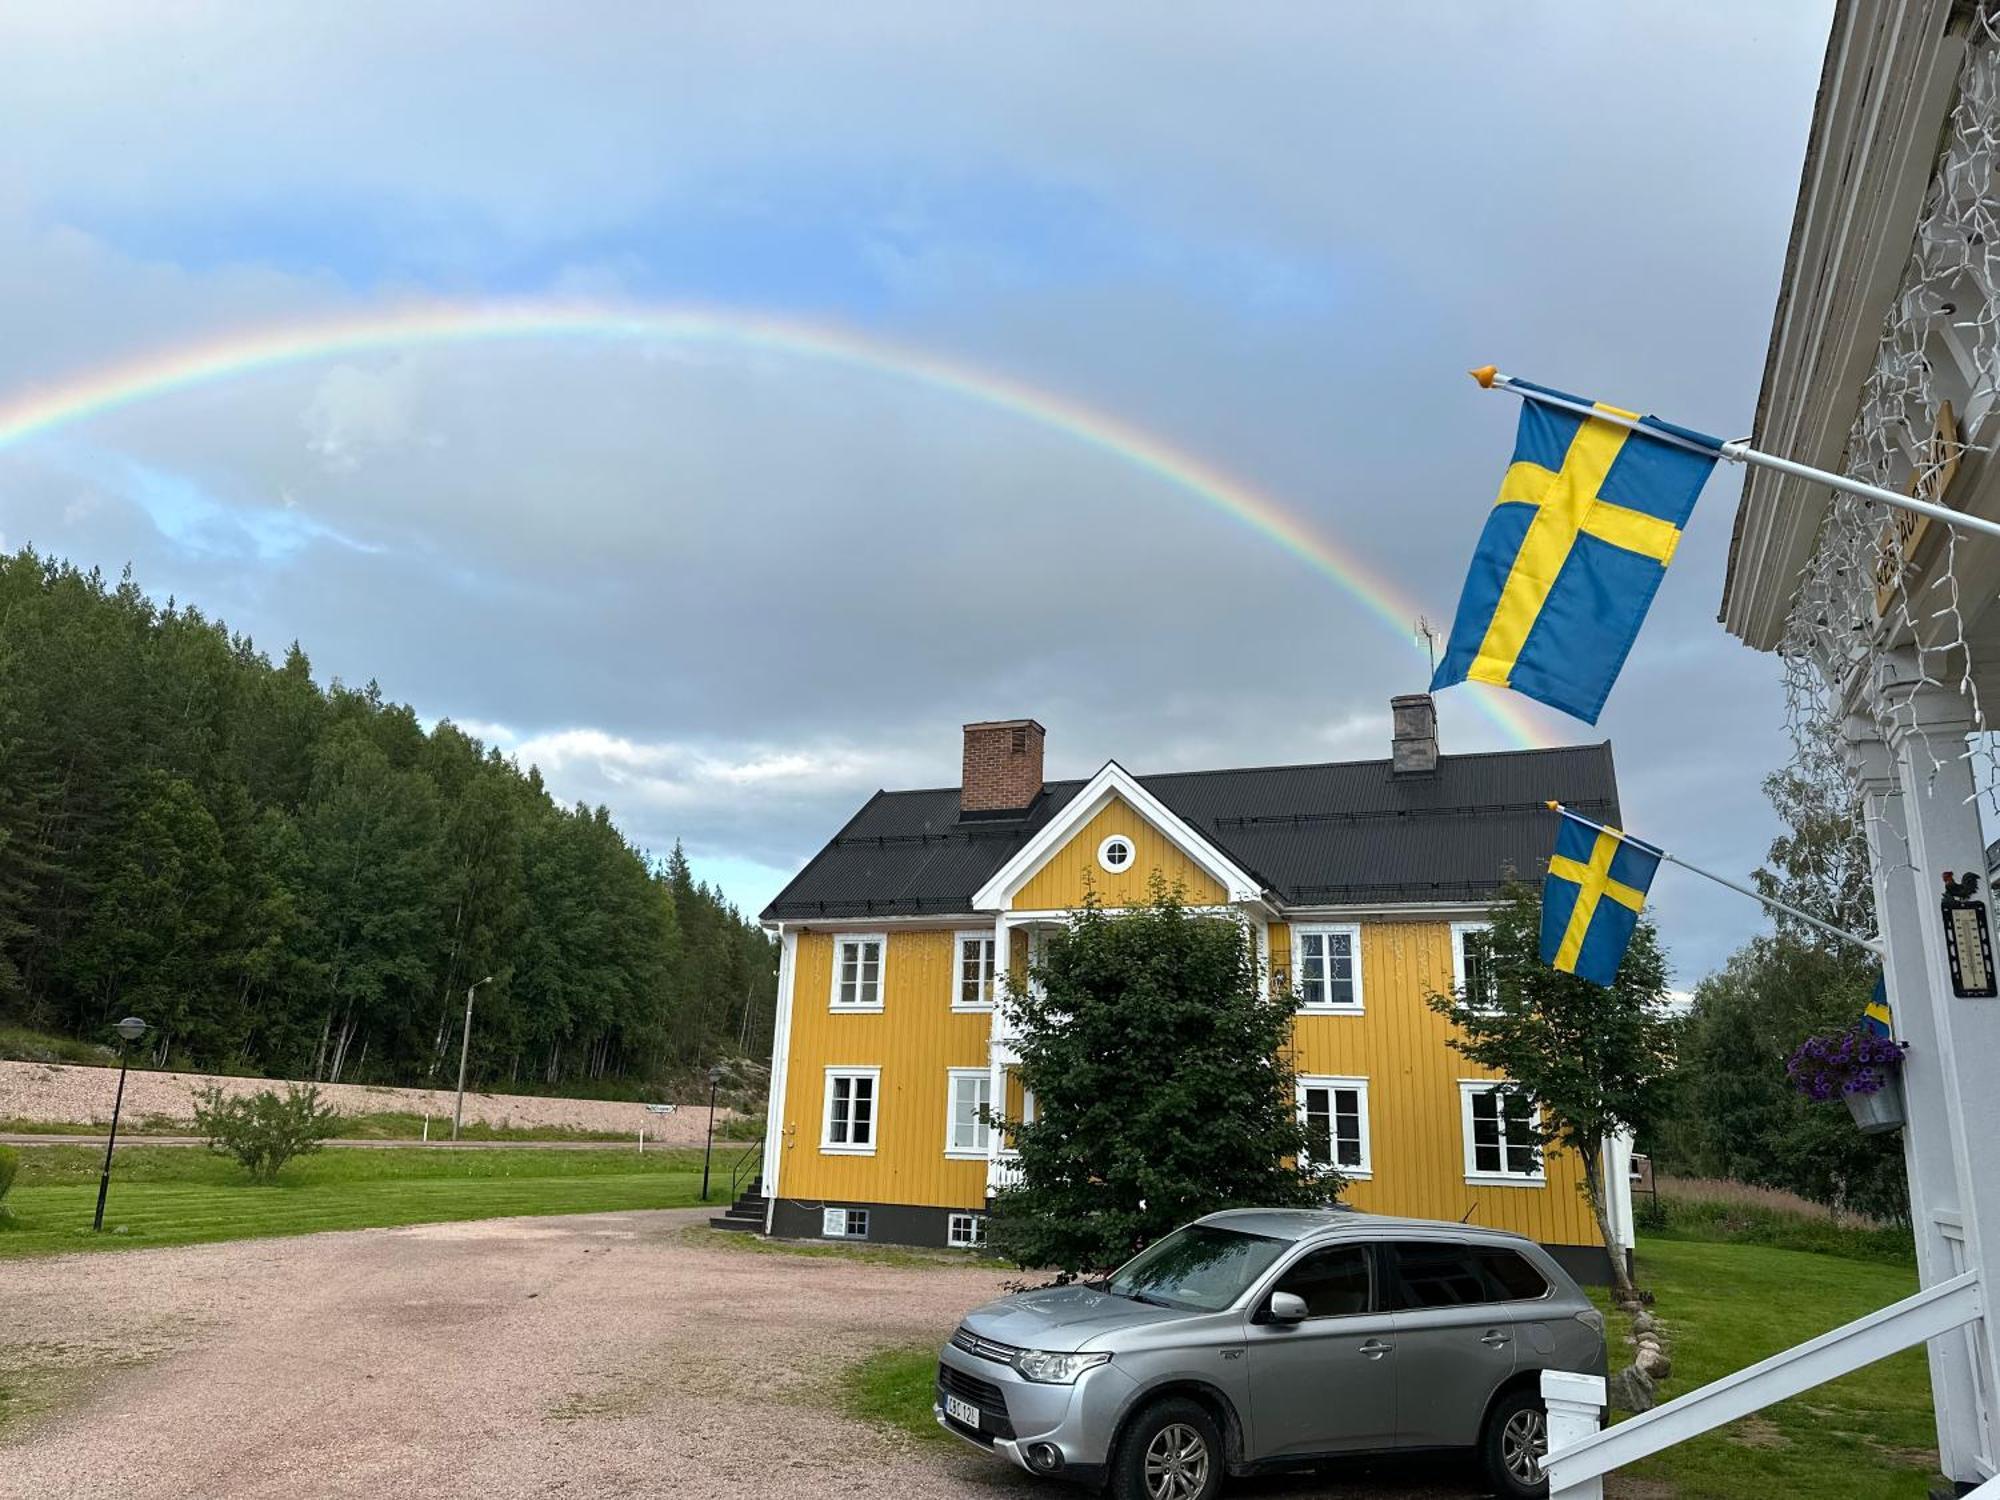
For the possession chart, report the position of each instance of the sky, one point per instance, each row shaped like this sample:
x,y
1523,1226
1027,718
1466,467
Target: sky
x,y
729,587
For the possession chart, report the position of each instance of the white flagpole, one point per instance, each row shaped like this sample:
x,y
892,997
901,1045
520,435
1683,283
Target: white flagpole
x,y
1871,944
1742,453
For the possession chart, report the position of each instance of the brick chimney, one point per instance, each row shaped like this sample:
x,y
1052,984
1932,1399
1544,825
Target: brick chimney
x,y
1413,746
1003,767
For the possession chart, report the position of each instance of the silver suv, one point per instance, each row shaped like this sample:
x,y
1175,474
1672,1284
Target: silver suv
x,y
1263,1339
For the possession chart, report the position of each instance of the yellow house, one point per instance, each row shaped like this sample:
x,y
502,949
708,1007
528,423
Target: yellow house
x,y
1358,881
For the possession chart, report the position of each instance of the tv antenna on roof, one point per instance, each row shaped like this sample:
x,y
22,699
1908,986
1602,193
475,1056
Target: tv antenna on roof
x,y
1427,633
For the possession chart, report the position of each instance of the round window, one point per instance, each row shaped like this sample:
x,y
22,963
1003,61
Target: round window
x,y
1115,854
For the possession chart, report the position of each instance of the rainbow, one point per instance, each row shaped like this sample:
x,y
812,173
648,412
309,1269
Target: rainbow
x,y
162,372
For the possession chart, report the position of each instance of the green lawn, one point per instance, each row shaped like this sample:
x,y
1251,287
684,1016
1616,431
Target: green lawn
x,y
1729,1305
167,1195
1725,1306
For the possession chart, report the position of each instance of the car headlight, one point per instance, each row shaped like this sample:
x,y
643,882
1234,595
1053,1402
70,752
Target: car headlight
x,y
1056,1369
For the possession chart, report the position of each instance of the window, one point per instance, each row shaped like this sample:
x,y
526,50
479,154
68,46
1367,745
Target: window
x,y
857,971
1511,1278
974,975
1335,1282
1499,1125
844,1224
849,1127
1334,1112
1115,854
1472,966
1438,1274
966,1231
1326,968
967,1131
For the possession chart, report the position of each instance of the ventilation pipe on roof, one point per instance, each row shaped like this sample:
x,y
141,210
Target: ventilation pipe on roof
x,y
1413,748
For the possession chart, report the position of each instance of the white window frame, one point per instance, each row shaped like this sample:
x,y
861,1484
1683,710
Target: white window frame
x,y
1131,853
954,1077
827,1145
974,1227
1303,930
991,939
1459,932
841,942
845,1218
1468,1090
1359,1087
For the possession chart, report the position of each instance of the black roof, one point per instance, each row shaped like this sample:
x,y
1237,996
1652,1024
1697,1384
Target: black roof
x,y
1332,834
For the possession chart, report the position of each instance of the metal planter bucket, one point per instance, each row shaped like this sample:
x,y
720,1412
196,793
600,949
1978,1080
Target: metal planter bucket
x,y
1881,1111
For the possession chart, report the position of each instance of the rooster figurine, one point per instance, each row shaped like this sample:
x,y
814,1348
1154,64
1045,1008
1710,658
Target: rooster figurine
x,y
1960,887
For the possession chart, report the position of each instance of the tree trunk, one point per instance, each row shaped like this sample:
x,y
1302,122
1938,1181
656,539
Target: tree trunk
x,y
1593,1188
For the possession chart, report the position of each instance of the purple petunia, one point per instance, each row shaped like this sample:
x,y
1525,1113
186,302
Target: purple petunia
x,y
1849,1062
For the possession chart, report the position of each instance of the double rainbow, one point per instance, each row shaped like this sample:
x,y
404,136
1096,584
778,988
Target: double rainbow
x,y
162,372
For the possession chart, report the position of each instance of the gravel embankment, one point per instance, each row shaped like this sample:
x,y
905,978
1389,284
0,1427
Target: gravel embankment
x,y
61,1093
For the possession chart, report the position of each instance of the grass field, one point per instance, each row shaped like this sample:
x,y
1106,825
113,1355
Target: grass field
x,y
1867,1437
165,1195
1729,1305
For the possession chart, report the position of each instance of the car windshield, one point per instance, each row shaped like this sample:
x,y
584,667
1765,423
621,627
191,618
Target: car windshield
x,y
1200,1267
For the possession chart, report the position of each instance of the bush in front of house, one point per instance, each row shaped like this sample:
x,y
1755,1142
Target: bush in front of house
x,y
1158,1065
264,1130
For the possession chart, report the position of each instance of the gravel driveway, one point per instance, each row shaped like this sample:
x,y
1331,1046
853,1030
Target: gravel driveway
x,y
595,1355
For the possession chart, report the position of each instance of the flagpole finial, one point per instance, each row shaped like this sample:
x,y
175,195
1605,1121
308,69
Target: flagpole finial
x,y
1552,805
1485,375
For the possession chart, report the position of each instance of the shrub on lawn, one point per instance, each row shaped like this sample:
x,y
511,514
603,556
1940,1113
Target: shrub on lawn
x,y
264,1131
10,1163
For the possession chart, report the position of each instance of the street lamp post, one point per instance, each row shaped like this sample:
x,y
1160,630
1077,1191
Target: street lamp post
x,y
714,1078
129,1030
464,1047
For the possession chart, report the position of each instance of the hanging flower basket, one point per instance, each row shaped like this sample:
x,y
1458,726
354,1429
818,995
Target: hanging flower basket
x,y
1864,1070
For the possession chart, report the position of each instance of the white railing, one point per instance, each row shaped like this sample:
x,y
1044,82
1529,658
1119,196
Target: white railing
x,y
1580,1455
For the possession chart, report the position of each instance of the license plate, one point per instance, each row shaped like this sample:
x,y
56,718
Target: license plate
x,y
961,1411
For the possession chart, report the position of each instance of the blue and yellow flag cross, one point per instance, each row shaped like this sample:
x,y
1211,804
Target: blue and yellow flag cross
x,y
1589,515
1591,899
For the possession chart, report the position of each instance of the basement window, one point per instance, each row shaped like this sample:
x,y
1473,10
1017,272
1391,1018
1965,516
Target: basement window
x,y
844,1224
966,1232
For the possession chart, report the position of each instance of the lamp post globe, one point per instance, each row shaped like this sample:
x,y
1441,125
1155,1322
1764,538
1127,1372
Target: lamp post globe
x,y
129,1030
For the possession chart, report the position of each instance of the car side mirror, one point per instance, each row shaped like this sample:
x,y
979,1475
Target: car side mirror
x,y
1287,1307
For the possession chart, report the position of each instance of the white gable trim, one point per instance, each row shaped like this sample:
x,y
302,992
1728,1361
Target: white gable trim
x,y
1112,781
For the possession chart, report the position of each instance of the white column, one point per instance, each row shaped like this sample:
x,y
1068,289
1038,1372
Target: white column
x,y
781,1049
1900,917
1954,1150
998,1051
1574,1403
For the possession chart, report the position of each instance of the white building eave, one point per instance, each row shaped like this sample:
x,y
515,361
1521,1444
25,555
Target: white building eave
x,y
1884,97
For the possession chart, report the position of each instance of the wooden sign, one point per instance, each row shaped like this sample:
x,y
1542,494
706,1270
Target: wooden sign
x,y
1905,529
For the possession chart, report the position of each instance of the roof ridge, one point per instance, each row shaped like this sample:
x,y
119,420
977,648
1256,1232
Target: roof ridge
x,y
1292,765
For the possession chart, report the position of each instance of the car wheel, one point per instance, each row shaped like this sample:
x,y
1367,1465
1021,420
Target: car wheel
x,y
1513,1444
1171,1451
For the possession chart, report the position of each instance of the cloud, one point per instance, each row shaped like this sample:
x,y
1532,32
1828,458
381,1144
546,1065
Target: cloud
x,y
730,592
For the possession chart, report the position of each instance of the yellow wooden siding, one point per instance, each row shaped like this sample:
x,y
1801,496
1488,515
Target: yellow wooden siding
x,y
1073,869
1416,1135
914,1039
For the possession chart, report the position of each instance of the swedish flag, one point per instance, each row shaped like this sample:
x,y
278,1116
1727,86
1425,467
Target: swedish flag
x,y
1597,882
1588,518
1875,1017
